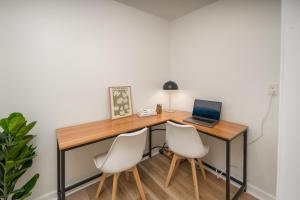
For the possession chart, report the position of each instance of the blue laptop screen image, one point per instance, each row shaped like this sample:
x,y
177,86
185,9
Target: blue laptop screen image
x,y
207,109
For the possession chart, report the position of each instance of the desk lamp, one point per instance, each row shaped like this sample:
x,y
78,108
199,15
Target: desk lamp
x,y
170,86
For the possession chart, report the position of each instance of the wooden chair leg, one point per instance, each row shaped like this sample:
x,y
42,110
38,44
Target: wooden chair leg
x,y
194,178
127,175
171,170
138,182
202,168
179,161
115,186
176,165
102,179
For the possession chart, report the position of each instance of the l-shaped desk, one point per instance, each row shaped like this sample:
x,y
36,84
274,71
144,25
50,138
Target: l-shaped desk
x,y
81,135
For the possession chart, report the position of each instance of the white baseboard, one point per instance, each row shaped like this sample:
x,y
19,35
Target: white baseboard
x,y
259,193
251,189
48,196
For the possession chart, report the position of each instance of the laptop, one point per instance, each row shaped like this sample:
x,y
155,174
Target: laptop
x,y
205,113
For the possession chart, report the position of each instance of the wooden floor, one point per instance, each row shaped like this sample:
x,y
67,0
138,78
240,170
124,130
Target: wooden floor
x,y
153,173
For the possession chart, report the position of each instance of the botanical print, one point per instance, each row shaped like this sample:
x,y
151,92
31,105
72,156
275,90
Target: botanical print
x,y
120,100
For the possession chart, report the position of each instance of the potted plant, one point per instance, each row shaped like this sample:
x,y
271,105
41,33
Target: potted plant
x,y
16,156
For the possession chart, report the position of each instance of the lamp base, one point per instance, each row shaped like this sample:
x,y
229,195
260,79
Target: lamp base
x,y
170,111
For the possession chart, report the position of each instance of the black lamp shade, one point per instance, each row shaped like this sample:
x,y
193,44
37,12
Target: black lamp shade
x,y
170,85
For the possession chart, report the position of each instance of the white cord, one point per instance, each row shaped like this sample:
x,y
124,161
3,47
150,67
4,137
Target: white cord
x,y
219,174
261,132
263,120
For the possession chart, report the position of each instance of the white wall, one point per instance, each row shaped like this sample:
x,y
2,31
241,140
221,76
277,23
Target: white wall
x,y
230,51
289,137
58,60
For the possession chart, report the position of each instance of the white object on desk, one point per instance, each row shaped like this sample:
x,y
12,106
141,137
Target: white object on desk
x,y
147,112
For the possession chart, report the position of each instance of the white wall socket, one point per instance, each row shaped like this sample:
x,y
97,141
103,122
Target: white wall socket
x,y
273,89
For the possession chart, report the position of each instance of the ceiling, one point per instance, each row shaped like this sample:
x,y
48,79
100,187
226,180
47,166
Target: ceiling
x,y
167,9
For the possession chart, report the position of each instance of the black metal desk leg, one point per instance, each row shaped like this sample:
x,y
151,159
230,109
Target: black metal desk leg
x,y
63,185
227,170
245,161
58,174
150,141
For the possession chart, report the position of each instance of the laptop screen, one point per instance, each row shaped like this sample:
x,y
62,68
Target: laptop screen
x,y
207,109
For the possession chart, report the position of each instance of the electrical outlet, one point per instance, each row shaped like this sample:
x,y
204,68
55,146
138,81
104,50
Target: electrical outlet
x,y
273,89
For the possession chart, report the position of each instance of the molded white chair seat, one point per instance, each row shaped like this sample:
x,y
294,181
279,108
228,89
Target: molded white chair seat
x,y
100,159
198,155
125,153
184,141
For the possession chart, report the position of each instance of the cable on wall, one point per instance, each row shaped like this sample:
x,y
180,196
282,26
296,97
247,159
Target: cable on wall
x,y
261,126
264,120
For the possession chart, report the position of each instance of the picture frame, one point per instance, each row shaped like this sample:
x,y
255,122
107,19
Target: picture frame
x,y
120,101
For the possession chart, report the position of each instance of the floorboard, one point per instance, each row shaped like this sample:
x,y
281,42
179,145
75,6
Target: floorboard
x,y
153,173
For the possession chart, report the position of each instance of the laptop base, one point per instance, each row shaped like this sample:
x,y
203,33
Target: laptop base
x,y
205,122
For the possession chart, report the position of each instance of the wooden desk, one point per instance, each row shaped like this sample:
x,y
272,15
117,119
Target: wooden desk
x,y
80,135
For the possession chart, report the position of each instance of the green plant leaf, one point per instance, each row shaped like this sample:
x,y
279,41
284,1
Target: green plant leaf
x,y
1,156
16,156
17,148
17,191
27,164
27,151
16,121
25,129
9,165
14,114
25,137
25,196
26,189
3,124
2,165
24,153
2,138
19,162
22,197
15,176
31,183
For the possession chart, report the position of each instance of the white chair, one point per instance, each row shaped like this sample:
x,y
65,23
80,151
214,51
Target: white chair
x,y
125,153
185,142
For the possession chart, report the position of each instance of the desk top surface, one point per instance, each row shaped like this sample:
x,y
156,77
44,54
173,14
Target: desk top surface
x,y
73,136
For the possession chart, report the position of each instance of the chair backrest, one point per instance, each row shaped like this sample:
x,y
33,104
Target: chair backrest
x,y
184,140
126,151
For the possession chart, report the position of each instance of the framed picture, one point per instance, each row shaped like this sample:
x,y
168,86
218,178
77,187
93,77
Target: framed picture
x,y
120,101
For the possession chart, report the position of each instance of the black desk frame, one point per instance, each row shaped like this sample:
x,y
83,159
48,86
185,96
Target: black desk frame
x,y
62,189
